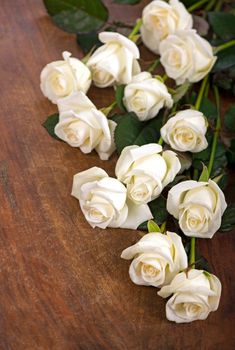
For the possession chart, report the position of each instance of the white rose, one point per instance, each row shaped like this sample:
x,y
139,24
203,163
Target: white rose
x,y
61,78
195,295
103,201
186,56
186,131
161,19
146,171
82,125
157,259
115,62
198,206
145,96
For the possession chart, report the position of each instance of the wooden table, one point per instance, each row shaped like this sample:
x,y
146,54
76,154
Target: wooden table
x,y
63,285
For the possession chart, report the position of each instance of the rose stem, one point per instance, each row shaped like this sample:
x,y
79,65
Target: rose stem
x,y
224,46
192,252
154,65
210,5
218,5
136,29
197,106
197,5
217,130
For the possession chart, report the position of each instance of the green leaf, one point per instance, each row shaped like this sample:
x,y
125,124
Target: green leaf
x,y
88,41
201,262
231,153
77,15
158,210
228,219
208,108
153,226
131,131
222,24
50,124
204,175
127,2
119,97
225,59
229,118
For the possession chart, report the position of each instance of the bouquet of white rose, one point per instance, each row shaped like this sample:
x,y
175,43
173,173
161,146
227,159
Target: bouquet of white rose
x,y
171,169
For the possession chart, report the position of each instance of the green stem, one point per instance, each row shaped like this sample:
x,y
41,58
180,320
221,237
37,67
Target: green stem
x,y
192,252
136,29
224,46
195,174
154,65
218,5
207,88
107,110
217,130
197,5
201,92
163,227
160,141
210,5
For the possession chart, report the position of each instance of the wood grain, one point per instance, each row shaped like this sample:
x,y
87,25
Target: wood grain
x,y
63,285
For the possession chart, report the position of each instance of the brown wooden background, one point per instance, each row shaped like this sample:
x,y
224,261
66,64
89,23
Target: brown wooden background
x,y
63,285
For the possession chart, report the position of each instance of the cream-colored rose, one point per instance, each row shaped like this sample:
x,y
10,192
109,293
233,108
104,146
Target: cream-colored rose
x,y
195,295
82,125
145,96
161,19
157,259
104,203
115,62
146,170
61,78
186,56
186,131
198,206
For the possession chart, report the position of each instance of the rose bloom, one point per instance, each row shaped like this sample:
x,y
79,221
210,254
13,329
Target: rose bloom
x,y
82,125
103,201
198,206
61,78
115,62
145,96
146,170
194,295
186,131
186,56
157,259
161,19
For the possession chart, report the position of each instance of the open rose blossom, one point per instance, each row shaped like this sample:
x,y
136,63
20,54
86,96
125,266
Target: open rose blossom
x,y
82,125
157,259
103,201
146,170
194,295
145,96
198,206
161,19
186,131
186,56
61,78
115,62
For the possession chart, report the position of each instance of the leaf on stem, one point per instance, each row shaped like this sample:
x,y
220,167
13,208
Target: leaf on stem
x,y
77,15
50,124
158,209
228,219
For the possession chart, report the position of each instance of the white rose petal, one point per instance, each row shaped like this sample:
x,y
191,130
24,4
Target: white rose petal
x,y
186,56
115,62
195,295
82,125
145,171
145,96
198,206
161,19
103,201
186,131
157,258
61,78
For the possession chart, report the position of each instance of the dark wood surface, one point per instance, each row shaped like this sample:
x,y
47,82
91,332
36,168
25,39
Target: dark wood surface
x,y
63,285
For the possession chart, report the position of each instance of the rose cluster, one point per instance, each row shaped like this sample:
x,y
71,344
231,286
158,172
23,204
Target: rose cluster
x,y
143,172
